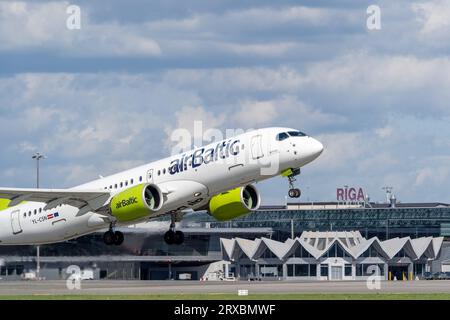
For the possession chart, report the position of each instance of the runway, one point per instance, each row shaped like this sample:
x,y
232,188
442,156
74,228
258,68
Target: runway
x,y
197,287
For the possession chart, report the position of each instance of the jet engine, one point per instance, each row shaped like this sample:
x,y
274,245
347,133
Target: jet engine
x,y
136,202
234,203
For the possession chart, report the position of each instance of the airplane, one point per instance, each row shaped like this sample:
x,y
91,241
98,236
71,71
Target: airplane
x,y
219,178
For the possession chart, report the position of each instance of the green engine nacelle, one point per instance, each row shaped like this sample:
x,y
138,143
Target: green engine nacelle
x,y
234,203
4,204
136,202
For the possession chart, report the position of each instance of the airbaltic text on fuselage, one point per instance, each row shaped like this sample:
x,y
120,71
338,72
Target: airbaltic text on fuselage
x,y
125,203
222,150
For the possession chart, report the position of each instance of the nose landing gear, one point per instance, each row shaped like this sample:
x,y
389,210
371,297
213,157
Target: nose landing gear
x,y
173,237
291,174
294,193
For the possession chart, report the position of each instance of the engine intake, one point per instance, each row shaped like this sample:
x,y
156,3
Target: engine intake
x,y
234,203
136,202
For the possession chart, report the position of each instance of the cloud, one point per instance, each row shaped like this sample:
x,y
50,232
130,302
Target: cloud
x,y
43,26
258,49
433,16
436,176
192,127
82,119
336,155
384,132
256,113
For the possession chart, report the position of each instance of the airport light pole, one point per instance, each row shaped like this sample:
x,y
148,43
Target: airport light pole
x,y
37,156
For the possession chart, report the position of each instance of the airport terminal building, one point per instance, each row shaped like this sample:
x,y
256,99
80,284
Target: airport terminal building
x,y
331,256
204,254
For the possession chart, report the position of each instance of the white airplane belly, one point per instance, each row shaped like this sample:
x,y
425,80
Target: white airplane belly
x,y
182,194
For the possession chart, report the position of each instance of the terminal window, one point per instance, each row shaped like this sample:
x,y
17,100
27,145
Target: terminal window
x,y
348,270
363,269
324,270
301,270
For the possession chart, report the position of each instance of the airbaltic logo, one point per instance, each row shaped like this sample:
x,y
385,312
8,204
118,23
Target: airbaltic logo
x,y
126,203
222,150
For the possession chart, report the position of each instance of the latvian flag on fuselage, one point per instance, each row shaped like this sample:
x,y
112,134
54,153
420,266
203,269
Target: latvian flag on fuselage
x,y
53,215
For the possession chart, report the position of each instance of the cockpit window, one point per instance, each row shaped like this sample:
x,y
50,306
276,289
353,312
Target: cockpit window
x,y
282,136
296,134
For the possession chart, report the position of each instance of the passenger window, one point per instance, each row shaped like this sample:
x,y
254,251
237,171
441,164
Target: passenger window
x,y
140,179
132,181
159,172
121,184
164,171
126,183
24,214
115,186
282,136
40,210
29,213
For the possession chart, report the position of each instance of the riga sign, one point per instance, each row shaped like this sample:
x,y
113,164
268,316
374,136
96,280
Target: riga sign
x,y
350,194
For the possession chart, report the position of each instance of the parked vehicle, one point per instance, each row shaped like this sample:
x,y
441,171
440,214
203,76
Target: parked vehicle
x,y
437,275
442,276
29,275
87,274
184,276
253,278
428,276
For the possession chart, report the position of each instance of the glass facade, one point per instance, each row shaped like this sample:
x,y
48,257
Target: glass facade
x,y
301,270
270,271
362,269
384,223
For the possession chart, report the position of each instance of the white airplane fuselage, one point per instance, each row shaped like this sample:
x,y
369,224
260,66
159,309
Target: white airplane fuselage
x,y
189,180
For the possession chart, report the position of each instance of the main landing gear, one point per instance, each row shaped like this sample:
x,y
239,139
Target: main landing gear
x,y
172,236
294,192
111,237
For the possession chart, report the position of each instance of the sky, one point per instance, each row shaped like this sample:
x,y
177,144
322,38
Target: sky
x,y
106,97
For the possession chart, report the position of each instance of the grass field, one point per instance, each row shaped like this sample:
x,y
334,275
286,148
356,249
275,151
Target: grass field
x,y
343,296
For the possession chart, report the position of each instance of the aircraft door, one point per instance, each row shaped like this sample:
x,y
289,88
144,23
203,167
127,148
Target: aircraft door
x,y
15,222
256,146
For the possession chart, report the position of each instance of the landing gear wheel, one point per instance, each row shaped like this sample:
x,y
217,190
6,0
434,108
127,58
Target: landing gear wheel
x,y
291,193
295,193
109,238
169,237
179,237
118,238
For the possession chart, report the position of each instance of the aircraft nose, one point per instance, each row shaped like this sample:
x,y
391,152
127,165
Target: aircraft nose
x,y
316,147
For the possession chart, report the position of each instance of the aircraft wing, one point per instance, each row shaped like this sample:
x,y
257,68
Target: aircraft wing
x,y
85,200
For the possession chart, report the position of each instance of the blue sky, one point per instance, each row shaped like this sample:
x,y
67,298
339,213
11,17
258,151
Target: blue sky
x,y
106,97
